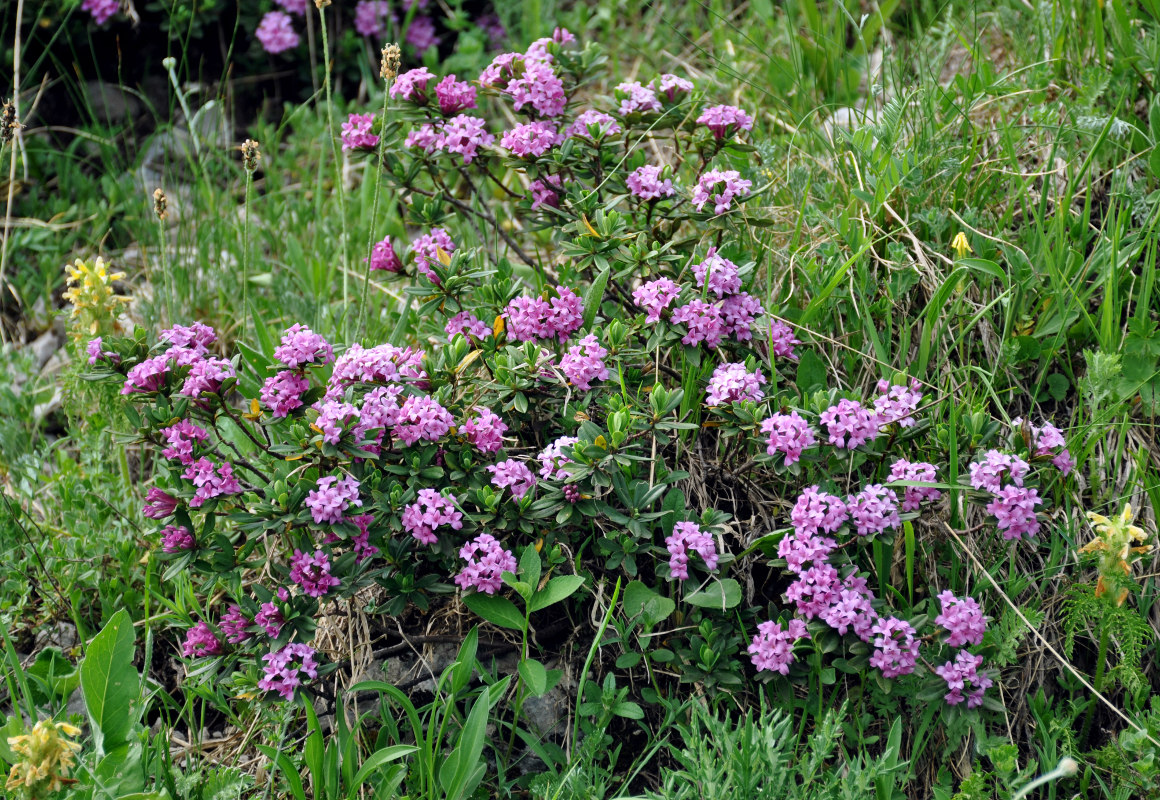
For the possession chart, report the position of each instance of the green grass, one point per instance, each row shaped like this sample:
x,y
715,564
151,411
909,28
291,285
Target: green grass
x,y
1029,129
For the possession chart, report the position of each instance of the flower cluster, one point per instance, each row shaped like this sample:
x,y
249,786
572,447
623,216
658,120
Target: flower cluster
x,y
429,513
772,647
789,434
332,497
733,383
284,669
532,318
961,675
312,573
514,474
721,187
487,561
687,537
584,363
358,134
648,183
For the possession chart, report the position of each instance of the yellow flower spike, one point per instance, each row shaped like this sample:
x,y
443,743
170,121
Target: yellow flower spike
x,y
1114,544
960,245
45,757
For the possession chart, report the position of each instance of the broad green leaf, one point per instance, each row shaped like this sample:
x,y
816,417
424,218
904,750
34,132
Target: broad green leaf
x,y
530,566
721,595
110,683
811,372
287,770
496,610
462,770
642,601
384,756
594,297
534,675
559,588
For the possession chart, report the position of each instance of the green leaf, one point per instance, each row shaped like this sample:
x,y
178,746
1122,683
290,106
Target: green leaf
x,y
594,297
650,606
811,372
985,266
496,610
559,588
628,710
383,756
530,566
721,595
462,770
534,675
286,768
110,683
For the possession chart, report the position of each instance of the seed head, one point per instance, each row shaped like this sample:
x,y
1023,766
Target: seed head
x,y
8,123
321,4
392,59
160,203
251,155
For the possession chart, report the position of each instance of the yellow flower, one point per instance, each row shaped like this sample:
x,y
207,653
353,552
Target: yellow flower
x,y
90,290
46,756
960,245
1114,544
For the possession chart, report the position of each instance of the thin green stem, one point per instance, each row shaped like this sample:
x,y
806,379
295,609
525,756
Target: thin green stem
x,y
246,256
1098,681
337,173
362,313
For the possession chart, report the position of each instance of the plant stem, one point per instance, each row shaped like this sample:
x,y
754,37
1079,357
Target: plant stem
x,y
337,171
246,257
1098,682
362,312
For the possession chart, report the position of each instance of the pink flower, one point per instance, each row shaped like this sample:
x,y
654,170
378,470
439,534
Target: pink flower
x,y
738,311
426,249
718,274
196,337
849,424
284,669
332,497
540,88
1014,511
465,135
592,120
148,376
514,474
962,619
301,346
282,392
206,377
412,85
734,383
545,191
485,430
646,183
370,16
176,539
655,296
96,354
429,513
703,323
421,34
789,434
531,139
487,561
636,99
357,133
850,608
895,649
312,573
552,458
987,475
270,617
182,436
422,418
816,511
467,324
873,510
293,6
960,674
1045,441
383,257
671,86
584,363
914,496
200,642
802,549
211,481
782,340
334,417
688,538
384,363
101,9
233,624
500,71
720,186
725,120
531,318
897,403
814,590
276,33
453,95
360,542
772,647
159,504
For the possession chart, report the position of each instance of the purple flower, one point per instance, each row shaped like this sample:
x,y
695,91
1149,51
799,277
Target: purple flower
x,y
772,647
465,135
200,642
703,322
361,541
284,669
333,417
737,314
275,33
987,475
426,249
850,608
206,377
1045,441
383,257
233,624
487,561
531,318
718,274
552,458
422,418
148,376
270,617
725,120
647,184
655,296
584,363
802,549
485,430
421,34
849,424
635,99
897,403
532,139
782,340
176,539
159,504
688,538
384,364
427,137
816,511
960,674
895,649
540,88
789,434
734,383
312,573
501,70
369,16
412,85
671,86
196,337
181,437
605,125
282,392
332,497
814,590
545,191
293,6
301,346
914,496
467,324
357,133
962,619
101,9
96,354
873,510
429,513
514,474
211,481
490,24
1014,511
720,186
